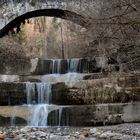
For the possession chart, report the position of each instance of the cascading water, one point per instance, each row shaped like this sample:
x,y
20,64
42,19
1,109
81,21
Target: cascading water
x,y
44,92
53,67
69,78
30,91
39,95
56,66
60,116
39,115
13,118
73,64
39,112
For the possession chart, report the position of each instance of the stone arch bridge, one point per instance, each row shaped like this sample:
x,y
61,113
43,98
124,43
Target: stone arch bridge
x,y
14,12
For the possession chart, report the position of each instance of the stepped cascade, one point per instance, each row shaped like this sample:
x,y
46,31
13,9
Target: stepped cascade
x,y
69,70
67,97
60,66
39,96
39,112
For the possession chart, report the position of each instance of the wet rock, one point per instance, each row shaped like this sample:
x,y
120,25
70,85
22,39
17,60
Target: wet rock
x,y
114,119
85,133
64,67
83,66
108,135
93,130
2,136
117,132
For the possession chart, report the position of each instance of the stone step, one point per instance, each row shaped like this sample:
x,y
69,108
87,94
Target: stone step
x,y
41,67
84,92
16,94
132,80
93,115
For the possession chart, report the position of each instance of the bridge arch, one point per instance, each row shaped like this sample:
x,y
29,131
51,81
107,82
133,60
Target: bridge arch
x,y
58,13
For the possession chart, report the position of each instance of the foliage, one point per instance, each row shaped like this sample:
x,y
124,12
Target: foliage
x,y
21,36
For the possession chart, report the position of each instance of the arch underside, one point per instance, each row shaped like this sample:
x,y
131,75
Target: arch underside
x,y
58,13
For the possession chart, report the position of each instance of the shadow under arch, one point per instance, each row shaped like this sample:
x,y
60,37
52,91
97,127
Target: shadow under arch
x,y
58,13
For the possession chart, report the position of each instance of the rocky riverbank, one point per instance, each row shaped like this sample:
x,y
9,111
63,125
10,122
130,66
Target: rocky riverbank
x,y
117,132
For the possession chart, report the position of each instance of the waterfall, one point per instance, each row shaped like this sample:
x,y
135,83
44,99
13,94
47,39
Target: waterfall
x,y
60,116
56,66
39,115
44,93
53,67
39,112
68,78
13,117
30,91
68,62
39,95
73,64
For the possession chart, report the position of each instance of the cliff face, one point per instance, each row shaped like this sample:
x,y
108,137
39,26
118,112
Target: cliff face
x,y
13,60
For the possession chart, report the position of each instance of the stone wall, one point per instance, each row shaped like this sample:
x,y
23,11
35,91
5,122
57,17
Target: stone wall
x,y
84,66
121,89
93,115
103,114
86,92
42,67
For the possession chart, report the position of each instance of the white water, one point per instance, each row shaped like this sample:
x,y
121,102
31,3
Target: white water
x,y
39,112
13,118
73,64
56,66
69,78
41,93
60,116
30,91
44,93
39,115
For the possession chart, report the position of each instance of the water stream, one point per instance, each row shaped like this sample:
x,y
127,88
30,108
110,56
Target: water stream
x,y
39,111
73,64
56,66
39,95
39,115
